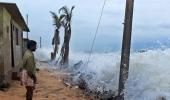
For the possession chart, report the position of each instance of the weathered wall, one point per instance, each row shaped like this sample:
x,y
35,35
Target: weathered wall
x,y
7,44
6,68
17,48
1,47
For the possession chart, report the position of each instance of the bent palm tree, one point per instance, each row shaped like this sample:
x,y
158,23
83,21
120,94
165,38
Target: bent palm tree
x,y
67,35
56,38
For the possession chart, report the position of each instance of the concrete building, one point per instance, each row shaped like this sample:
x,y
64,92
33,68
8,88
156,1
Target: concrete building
x,y
12,25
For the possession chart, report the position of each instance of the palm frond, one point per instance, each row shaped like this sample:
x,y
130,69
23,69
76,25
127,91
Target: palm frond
x,y
67,13
64,9
72,8
57,19
61,16
54,15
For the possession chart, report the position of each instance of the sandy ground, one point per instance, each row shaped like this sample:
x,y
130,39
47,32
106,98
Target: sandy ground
x,y
49,87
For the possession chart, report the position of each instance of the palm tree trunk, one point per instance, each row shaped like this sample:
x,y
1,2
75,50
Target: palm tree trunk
x,y
55,41
55,50
67,42
66,55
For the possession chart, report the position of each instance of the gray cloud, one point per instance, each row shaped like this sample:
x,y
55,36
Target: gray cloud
x,y
165,26
150,20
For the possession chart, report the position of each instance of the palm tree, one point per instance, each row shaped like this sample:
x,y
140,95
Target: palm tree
x,y
67,35
56,39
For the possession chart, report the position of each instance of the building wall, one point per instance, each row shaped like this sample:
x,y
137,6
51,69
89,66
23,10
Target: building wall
x,y
1,47
6,37
7,44
17,47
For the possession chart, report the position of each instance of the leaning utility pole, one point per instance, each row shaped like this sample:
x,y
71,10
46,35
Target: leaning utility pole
x,y
124,66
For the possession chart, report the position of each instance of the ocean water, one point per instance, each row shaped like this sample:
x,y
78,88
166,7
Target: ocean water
x,y
149,72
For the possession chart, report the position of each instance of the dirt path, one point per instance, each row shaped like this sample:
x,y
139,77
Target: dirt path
x,y
49,88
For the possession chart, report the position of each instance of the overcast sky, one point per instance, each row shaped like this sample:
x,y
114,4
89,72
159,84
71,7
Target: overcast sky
x,y
151,23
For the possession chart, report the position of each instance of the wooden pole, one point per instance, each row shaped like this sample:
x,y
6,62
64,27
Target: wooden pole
x,y
124,66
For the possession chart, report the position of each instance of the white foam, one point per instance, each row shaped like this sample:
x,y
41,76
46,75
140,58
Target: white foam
x,y
149,73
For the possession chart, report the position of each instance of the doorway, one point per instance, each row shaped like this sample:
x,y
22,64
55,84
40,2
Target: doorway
x,y
12,46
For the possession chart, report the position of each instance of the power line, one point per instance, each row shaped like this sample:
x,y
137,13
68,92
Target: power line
x,y
96,32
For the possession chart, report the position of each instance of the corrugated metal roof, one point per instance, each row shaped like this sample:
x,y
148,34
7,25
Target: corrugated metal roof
x,y
16,15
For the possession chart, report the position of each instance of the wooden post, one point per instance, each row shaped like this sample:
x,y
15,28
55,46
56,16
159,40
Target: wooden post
x,y
124,66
